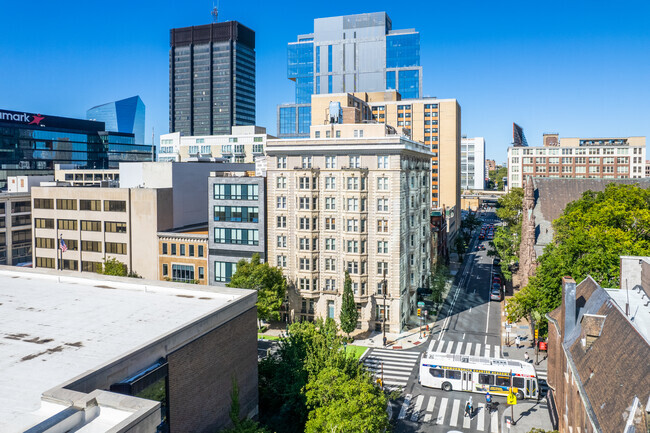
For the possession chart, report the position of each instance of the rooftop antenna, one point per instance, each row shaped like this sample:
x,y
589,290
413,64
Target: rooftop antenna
x,y
215,12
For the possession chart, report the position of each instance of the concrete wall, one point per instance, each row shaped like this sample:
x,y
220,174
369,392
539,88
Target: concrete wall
x,y
201,375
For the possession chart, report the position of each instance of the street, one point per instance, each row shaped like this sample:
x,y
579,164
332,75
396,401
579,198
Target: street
x,y
469,324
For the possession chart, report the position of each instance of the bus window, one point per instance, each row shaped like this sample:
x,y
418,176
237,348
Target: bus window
x,y
503,381
437,372
451,374
486,379
518,382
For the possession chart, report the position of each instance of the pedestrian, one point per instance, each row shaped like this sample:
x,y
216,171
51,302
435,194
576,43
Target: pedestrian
x,y
526,357
518,341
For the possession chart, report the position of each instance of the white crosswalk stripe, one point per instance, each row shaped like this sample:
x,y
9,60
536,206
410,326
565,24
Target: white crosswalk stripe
x,y
423,409
487,350
468,349
477,349
464,348
395,367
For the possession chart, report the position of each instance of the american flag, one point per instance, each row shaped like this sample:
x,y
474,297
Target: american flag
x,y
63,246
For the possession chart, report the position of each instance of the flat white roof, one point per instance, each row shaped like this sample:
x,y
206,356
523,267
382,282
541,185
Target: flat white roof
x,y
56,326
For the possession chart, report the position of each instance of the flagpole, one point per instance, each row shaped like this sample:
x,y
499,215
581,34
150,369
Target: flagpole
x,y
61,252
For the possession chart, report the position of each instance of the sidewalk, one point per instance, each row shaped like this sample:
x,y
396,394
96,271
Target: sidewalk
x,y
405,340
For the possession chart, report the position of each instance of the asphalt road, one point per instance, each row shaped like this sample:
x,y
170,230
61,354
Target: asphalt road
x,y
469,323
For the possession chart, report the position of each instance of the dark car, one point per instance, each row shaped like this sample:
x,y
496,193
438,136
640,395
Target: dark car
x,y
481,237
497,261
481,247
496,286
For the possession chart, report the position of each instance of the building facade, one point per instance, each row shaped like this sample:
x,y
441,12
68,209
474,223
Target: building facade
x,y
358,202
125,115
242,146
347,54
591,158
211,78
15,228
86,177
35,143
183,255
237,223
490,165
472,163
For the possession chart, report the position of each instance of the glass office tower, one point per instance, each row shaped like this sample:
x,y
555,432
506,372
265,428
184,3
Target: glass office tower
x,y
353,53
125,115
211,78
31,144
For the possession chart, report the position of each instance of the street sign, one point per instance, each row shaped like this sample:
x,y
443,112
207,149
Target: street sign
x,y
419,311
426,313
512,398
421,304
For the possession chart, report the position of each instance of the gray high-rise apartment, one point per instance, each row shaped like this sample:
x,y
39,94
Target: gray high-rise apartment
x,y
352,53
211,78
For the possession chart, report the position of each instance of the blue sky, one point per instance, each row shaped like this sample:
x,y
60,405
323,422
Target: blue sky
x,y
580,68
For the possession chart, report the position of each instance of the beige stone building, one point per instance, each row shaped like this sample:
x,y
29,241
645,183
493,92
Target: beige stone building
x,y
434,122
183,255
351,197
84,177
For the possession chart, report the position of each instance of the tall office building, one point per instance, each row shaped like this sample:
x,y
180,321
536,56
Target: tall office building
x,y
32,144
352,53
211,78
125,115
472,163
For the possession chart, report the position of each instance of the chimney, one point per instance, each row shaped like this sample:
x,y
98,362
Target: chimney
x,y
569,294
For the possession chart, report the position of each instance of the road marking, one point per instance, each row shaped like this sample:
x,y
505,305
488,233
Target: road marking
x,y
405,406
454,413
497,351
481,417
463,335
393,353
477,351
431,345
459,347
487,319
416,409
494,424
440,346
468,349
441,413
431,405
449,347
487,350
466,421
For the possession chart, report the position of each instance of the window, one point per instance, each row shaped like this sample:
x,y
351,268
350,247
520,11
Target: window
x,y
236,214
354,161
44,243
183,273
66,204
114,206
67,224
45,262
330,244
91,226
382,183
303,203
330,264
353,267
281,261
486,379
91,266
330,223
306,162
502,381
382,205
382,161
44,223
114,227
353,204
452,374
317,134
352,246
353,225
303,182
91,205
281,242
165,269
382,226
72,244
173,249
437,372
330,162
115,248
330,284
281,222
382,247
182,249
232,139
330,203
200,252
236,192
281,182
518,382
382,267
353,183
92,246
281,162
164,248
236,236
330,182
281,202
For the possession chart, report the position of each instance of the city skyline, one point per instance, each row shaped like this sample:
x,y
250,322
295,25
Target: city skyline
x,y
541,69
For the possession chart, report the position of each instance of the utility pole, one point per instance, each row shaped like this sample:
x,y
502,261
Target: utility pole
x,y
384,318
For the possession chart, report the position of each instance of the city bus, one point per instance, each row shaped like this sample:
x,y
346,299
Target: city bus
x,y
478,374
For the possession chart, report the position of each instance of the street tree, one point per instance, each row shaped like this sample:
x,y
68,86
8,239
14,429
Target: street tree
x,y
240,425
508,236
349,314
268,281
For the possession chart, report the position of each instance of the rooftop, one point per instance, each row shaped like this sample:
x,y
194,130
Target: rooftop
x,y
57,326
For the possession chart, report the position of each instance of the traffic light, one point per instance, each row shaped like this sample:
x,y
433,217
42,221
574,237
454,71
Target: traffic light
x,y
419,312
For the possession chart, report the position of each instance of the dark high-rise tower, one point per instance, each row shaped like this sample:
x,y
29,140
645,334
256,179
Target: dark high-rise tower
x,y
211,78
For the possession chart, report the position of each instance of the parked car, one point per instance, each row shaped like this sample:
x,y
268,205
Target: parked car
x,y
481,247
497,261
496,286
481,237
495,295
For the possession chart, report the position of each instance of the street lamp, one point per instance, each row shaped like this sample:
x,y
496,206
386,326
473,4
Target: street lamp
x,y
384,317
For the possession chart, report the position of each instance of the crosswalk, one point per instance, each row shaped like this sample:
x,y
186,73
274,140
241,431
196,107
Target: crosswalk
x,y
396,366
465,348
447,412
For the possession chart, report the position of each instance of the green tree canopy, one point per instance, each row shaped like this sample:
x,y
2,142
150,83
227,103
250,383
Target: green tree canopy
x,y
508,236
349,314
590,236
113,266
495,178
267,280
